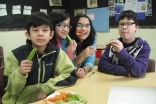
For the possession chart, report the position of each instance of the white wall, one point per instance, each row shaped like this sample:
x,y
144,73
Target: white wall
x,y
12,39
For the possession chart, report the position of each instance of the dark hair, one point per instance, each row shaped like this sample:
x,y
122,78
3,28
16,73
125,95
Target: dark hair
x,y
38,19
129,14
57,17
90,39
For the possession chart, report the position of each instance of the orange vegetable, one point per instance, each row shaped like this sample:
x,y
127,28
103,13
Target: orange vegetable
x,y
46,100
78,33
62,96
57,97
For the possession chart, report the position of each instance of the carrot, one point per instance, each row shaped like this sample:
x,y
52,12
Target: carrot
x,y
69,94
62,96
78,33
45,100
57,97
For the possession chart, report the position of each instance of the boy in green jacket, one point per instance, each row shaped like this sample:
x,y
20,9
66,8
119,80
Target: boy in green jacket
x,y
27,81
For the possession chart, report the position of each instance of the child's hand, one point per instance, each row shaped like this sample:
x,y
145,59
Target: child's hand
x,y
41,95
88,51
25,67
80,72
117,45
72,46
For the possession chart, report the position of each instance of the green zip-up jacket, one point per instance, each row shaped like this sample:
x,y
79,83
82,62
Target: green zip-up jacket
x,y
54,70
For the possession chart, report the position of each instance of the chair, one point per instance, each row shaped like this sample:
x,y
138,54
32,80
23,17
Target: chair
x,y
1,74
1,83
1,54
151,65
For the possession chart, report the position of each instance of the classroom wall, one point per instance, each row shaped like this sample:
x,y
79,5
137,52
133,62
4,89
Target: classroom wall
x,y
12,39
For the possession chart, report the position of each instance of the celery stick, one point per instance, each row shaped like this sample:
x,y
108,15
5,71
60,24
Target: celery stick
x,y
59,101
68,37
31,55
84,101
79,97
70,98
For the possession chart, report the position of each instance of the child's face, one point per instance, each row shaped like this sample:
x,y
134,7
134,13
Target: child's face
x,y
84,27
62,29
127,30
40,35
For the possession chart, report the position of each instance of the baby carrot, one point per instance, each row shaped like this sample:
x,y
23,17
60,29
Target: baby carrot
x,y
78,33
31,55
57,97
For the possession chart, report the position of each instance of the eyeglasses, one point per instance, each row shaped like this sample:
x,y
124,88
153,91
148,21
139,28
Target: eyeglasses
x,y
62,25
127,24
80,25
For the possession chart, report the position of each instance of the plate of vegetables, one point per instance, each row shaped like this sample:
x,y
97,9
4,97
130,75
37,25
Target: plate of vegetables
x,y
65,98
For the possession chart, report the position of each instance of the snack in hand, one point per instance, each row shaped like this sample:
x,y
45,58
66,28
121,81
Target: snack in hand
x,y
108,44
32,53
68,37
78,33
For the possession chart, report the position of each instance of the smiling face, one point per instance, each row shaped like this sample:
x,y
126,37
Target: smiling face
x,y
39,35
62,29
83,27
127,32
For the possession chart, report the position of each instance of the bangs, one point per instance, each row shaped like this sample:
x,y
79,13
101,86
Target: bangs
x,y
38,22
61,17
38,19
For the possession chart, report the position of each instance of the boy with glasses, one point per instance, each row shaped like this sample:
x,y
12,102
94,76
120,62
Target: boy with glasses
x,y
127,55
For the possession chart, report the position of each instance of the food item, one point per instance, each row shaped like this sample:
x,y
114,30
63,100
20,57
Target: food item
x,y
32,53
108,44
68,37
65,97
59,101
78,33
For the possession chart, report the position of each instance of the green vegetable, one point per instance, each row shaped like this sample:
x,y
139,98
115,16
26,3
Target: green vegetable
x,y
68,37
80,98
59,101
84,101
76,97
32,53
70,98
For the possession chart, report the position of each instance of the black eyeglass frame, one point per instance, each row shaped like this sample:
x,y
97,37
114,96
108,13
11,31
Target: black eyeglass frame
x,y
83,25
62,25
125,24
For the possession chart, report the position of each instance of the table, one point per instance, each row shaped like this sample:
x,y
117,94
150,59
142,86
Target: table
x,y
96,87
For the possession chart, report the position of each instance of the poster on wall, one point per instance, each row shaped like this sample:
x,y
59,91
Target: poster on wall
x,y
55,2
99,18
111,7
3,11
149,8
117,6
79,11
92,3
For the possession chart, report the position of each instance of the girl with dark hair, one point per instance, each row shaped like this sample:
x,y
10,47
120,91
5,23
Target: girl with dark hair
x,y
84,34
61,26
